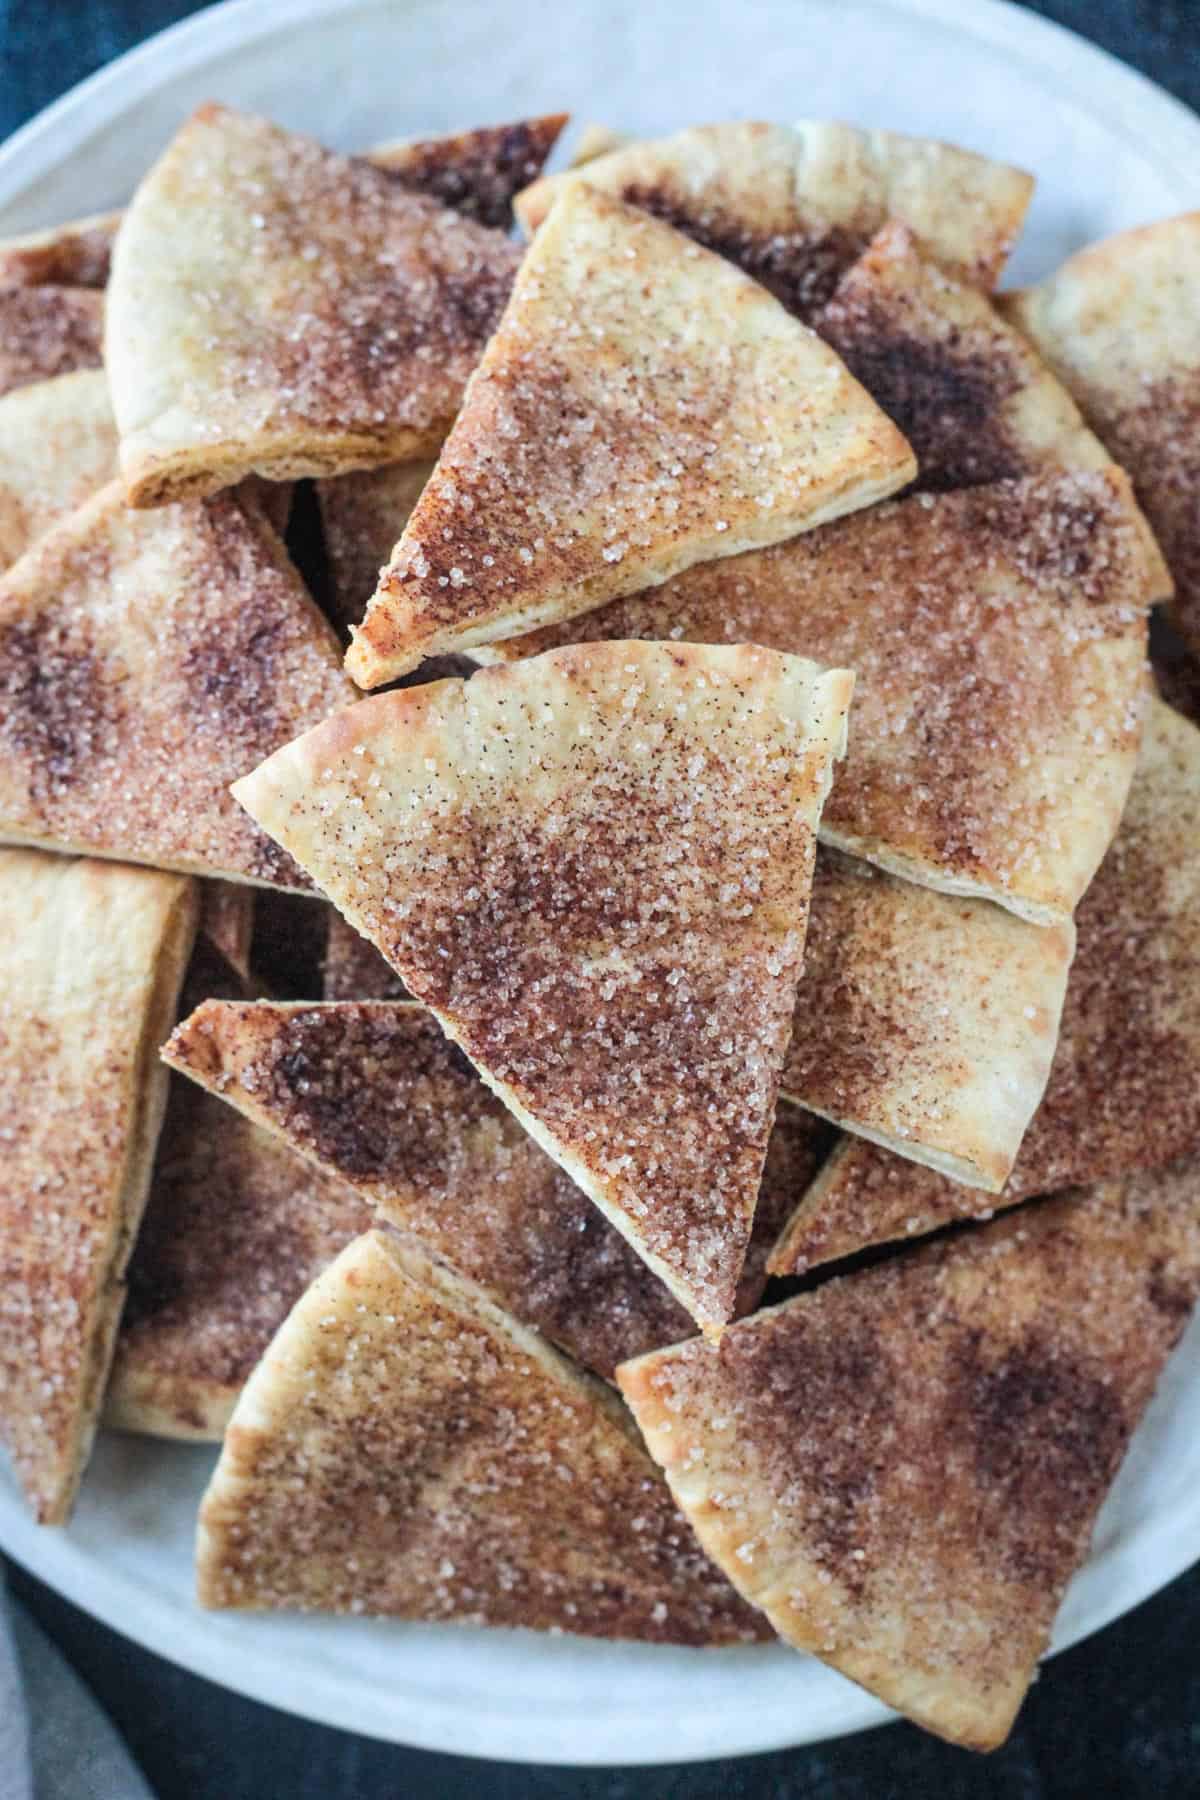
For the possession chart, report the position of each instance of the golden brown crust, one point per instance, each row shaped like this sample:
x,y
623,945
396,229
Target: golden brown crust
x,y
925,1022
561,486
476,173
1118,325
376,1097
1008,623
970,394
794,206
903,1468
47,331
276,308
91,960
58,445
407,1449
75,254
1124,1087
145,663
235,1229
594,868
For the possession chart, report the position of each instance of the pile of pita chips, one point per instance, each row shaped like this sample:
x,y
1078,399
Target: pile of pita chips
x,y
405,1448
1124,1087
594,868
903,1468
1000,773
93,957
642,406
376,1098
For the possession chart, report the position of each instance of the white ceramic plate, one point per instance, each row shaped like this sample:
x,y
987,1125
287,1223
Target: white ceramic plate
x,y
1110,150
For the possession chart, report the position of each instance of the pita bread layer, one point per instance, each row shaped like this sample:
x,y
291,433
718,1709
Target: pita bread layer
x,y
236,1227
279,309
1120,326
144,664
58,445
374,1096
1124,1087
594,868
998,637
46,331
903,1468
794,206
90,966
924,1022
970,394
405,1448
642,406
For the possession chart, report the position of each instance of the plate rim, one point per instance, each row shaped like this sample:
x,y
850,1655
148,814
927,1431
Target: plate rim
x,y
1166,132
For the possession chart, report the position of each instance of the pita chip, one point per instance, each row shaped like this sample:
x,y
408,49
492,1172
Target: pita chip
x,y
227,922
641,407
925,1022
58,446
374,1096
407,1449
1124,1086
971,395
274,307
476,173
904,1467
145,663
794,205
47,331
91,960
72,255
353,969
594,868
235,1229
1120,326
1007,621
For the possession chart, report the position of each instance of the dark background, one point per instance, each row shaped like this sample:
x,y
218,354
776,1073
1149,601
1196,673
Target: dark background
x,y
1119,1715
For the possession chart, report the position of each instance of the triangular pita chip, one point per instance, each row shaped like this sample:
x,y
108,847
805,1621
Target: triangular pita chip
x,y
235,1228
91,959
794,205
1124,1087
903,1468
642,406
593,141
375,1096
145,662
998,637
58,445
972,397
924,1021
477,172
278,308
75,254
362,515
594,867
1120,327
47,331
405,1448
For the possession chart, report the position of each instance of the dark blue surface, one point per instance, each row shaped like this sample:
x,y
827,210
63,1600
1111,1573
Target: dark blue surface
x,y
1117,1716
